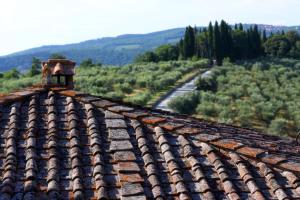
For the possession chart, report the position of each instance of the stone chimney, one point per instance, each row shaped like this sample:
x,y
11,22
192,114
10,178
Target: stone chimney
x,y
58,73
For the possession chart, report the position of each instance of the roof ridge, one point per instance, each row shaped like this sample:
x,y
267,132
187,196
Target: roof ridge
x,y
19,95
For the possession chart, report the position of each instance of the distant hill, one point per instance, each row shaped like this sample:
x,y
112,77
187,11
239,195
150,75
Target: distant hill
x,y
118,50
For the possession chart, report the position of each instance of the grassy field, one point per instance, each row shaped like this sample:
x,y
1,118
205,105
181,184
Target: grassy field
x,y
137,83
261,94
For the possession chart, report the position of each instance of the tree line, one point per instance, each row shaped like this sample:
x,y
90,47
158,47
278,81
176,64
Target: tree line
x,y
221,40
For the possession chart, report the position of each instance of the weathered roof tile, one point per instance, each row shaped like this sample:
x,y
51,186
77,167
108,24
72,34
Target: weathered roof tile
x,y
128,167
118,134
115,123
188,130
132,189
120,108
111,115
227,144
153,120
291,165
124,156
272,159
135,114
251,151
103,103
171,126
120,145
130,178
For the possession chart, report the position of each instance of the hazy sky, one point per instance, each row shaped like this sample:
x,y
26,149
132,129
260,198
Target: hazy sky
x,y
31,23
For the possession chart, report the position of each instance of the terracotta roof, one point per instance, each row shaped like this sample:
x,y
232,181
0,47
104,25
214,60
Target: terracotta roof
x,y
63,144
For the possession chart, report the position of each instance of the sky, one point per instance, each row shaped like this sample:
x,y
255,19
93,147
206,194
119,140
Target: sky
x,y
33,23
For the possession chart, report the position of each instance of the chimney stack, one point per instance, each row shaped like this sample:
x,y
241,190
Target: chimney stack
x,y
58,73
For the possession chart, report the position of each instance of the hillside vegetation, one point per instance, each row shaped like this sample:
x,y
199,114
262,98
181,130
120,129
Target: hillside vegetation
x,y
136,83
219,41
263,94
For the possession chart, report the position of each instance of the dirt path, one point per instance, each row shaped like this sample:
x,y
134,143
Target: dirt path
x,y
185,88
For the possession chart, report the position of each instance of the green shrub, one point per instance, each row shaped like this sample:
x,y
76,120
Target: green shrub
x,y
208,97
223,100
141,98
207,109
89,63
185,104
117,95
244,113
226,115
124,87
279,126
13,73
131,81
207,83
147,57
259,66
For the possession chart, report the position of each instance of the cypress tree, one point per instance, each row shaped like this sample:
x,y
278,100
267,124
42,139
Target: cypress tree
x,y
195,30
230,43
241,28
181,50
226,39
217,44
249,43
256,42
189,42
210,41
264,37
223,39
235,27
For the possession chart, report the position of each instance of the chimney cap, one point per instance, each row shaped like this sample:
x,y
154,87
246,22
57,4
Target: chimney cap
x,y
62,61
61,67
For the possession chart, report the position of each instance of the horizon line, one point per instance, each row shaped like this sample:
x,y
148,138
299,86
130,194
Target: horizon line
x,y
145,33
